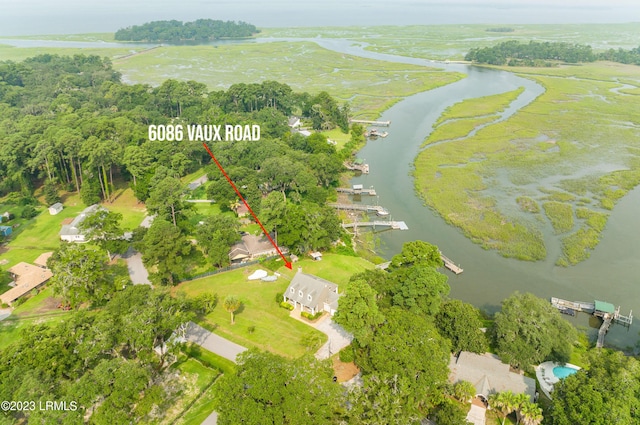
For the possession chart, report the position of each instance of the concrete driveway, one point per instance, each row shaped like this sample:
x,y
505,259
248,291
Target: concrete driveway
x,y
338,338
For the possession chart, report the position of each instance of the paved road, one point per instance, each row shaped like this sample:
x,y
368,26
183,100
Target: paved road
x,y
212,342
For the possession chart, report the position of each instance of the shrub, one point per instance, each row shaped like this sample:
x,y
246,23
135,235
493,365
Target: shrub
x,y
347,354
251,329
19,301
29,212
286,305
311,316
279,297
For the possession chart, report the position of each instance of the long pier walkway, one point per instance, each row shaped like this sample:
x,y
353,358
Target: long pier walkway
x,y
360,207
379,123
357,190
396,225
604,310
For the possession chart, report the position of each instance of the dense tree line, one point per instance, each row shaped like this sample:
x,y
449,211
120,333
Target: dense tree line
x,y
534,53
200,30
69,124
631,56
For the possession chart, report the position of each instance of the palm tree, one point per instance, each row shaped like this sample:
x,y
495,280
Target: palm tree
x,y
232,304
234,205
504,402
530,413
518,401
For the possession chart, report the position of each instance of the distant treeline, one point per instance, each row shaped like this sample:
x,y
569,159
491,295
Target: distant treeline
x,y
534,53
514,53
623,56
199,30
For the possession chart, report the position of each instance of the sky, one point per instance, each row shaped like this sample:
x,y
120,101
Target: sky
x,y
23,17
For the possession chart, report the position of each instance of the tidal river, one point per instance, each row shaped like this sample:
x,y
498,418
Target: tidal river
x,y
611,274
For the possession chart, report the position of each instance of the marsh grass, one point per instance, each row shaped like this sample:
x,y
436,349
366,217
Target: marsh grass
x,y
573,147
560,215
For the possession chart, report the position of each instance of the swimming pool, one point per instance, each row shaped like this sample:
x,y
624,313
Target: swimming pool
x,y
563,371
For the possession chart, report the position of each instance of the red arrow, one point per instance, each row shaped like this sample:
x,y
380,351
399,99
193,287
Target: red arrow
x,y
286,263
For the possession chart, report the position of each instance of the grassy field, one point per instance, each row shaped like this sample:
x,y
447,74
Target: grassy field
x,y
261,322
273,329
41,234
485,184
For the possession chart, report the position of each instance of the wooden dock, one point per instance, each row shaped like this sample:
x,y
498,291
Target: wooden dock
x,y
573,305
360,207
352,166
605,311
395,225
378,123
450,264
357,190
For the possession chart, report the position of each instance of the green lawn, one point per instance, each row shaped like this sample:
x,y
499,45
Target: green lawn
x,y
273,330
333,267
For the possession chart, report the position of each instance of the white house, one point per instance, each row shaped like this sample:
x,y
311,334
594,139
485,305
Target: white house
x,y
312,294
55,208
72,232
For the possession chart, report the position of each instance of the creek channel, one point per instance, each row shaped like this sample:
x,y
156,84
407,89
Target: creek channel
x,y
610,274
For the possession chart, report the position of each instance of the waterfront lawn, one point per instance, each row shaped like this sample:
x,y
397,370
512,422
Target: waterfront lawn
x,y
335,268
260,322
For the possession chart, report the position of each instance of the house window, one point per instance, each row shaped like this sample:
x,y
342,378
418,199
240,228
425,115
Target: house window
x,y
300,294
291,290
309,297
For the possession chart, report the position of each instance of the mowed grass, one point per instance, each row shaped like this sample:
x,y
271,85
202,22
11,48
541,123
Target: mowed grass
x,y
273,330
333,267
42,233
575,144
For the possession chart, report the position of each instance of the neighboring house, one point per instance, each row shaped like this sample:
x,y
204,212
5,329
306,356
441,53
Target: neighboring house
x,y
55,208
294,122
71,232
5,230
489,375
252,247
312,294
42,259
26,277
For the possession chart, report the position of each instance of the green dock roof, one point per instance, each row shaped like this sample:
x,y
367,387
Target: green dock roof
x,y
605,307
